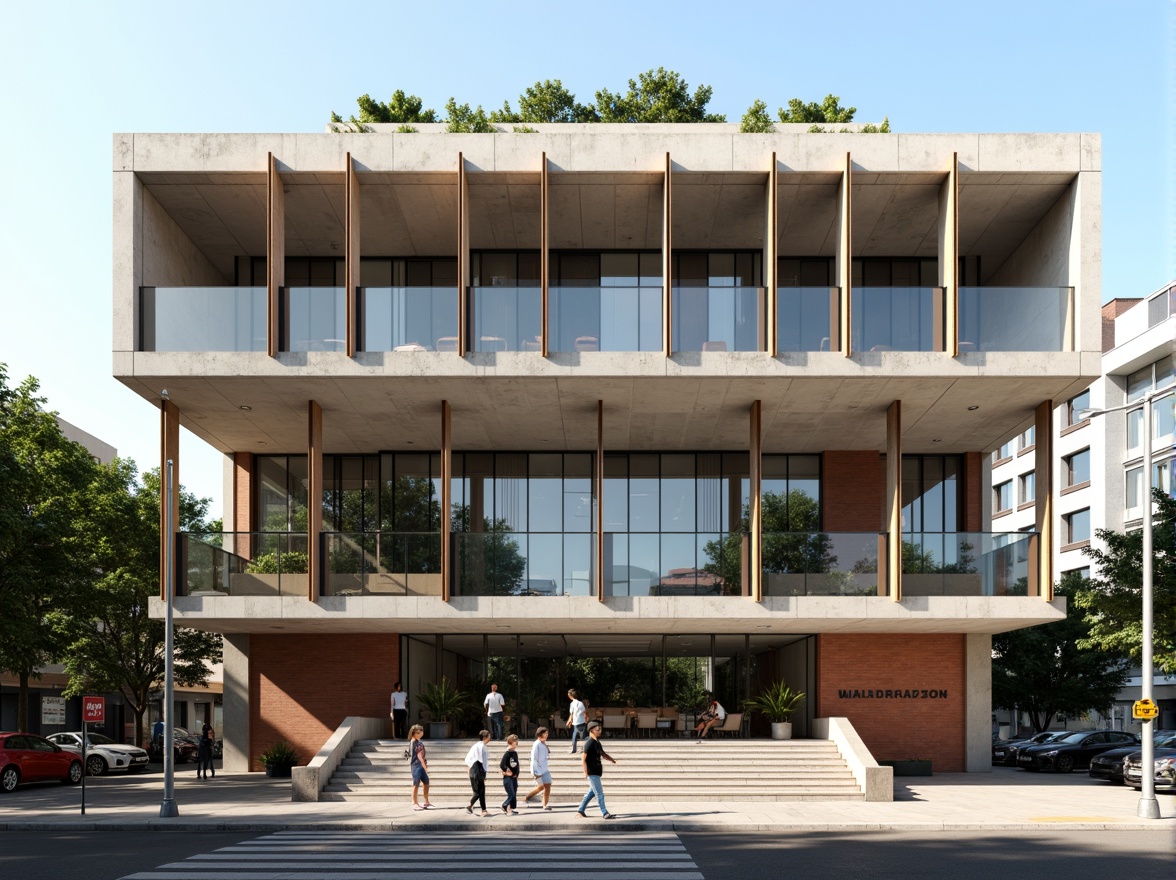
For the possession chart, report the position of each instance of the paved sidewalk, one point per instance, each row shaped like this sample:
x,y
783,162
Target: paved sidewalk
x,y
1004,800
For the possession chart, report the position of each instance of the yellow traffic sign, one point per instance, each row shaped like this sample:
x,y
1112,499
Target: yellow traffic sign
x,y
1145,709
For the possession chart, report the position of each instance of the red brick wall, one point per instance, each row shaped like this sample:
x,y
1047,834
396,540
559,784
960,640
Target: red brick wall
x,y
973,486
242,492
897,728
853,486
302,686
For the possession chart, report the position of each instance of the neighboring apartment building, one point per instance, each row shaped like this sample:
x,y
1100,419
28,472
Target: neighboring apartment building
x,y
492,402
1098,465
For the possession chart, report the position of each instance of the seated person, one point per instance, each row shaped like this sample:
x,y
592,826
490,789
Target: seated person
x,y
714,714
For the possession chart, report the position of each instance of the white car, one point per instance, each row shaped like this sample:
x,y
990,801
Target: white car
x,y
102,753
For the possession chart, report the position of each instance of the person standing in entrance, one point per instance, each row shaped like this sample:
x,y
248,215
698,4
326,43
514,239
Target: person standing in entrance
x,y
399,712
495,703
540,769
577,718
419,767
204,768
509,765
593,771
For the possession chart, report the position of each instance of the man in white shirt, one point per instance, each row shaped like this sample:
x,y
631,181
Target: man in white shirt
x,y
577,718
399,713
495,703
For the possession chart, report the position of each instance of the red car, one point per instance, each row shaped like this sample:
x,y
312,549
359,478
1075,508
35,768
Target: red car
x,y
25,757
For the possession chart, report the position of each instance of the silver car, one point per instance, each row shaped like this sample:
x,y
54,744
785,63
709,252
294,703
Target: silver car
x,y
102,753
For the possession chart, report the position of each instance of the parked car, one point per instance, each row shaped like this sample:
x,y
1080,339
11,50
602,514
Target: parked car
x,y
25,757
1075,750
102,753
185,746
1005,752
1164,767
1109,765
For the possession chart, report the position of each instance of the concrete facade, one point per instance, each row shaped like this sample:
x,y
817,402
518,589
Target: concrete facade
x,y
1018,211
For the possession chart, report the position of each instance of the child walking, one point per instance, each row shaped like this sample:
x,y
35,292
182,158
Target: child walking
x,y
509,765
540,752
419,767
478,763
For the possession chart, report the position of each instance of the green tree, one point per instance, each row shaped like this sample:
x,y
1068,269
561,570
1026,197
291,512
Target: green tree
x,y
400,108
118,646
1051,670
657,96
756,120
462,119
829,110
43,550
546,101
1113,601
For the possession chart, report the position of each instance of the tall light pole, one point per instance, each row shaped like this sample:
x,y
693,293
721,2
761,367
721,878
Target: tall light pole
x,y
1149,807
168,808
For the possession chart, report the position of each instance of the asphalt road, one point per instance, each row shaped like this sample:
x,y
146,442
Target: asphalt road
x,y
1073,855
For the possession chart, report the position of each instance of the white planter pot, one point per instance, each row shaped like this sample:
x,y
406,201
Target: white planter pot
x,y
781,730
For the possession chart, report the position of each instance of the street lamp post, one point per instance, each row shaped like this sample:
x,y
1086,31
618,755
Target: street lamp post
x,y
168,808
1149,807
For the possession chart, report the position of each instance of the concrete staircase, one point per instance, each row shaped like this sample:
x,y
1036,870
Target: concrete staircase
x,y
647,770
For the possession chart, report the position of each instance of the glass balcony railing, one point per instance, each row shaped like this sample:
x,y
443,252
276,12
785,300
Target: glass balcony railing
x,y
382,564
506,318
314,319
966,563
821,563
408,318
718,318
673,564
243,564
1014,318
203,319
605,318
896,319
522,564
808,319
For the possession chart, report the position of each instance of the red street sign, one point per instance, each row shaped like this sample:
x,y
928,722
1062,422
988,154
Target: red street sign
x,y
94,710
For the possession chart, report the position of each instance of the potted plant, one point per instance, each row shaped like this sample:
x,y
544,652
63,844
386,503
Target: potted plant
x,y
444,702
777,702
278,759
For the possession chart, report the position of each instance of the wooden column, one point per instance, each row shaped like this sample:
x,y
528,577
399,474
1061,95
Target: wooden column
x,y
755,519
351,253
275,252
771,282
544,265
598,492
446,498
1043,463
242,521
894,499
667,262
843,264
169,447
463,259
949,252
314,498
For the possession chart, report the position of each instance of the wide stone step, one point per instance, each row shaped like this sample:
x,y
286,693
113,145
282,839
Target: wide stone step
x,y
618,797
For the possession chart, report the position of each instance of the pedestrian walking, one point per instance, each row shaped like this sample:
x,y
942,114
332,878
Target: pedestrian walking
x,y
495,705
577,718
399,712
204,768
419,767
540,752
157,738
509,765
593,771
478,763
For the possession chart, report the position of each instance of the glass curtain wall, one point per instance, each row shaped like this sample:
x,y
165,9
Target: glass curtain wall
x,y
807,311
506,302
314,308
609,301
718,301
894,304
408,304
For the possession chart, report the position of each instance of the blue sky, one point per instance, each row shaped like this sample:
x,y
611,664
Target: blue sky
x,y
73,73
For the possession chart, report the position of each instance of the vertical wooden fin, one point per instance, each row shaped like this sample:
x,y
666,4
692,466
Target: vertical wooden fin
x,y
949,256
598,492
463,259
446,498
275,253
667,262
544,265
844,260
314,499
755,518
351,254
771,282
894,499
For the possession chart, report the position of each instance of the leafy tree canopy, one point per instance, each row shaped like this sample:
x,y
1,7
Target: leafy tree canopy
x,y
546,101
1113,601
400,108
829,110
657,96
1052,669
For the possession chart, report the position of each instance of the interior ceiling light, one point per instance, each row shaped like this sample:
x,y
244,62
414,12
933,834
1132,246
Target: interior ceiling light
x,y
245,407
973,407
936,439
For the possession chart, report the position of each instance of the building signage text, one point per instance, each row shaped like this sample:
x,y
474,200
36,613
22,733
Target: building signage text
x,y
895,694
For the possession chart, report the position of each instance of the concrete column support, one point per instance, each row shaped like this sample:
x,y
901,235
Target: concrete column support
x,y
446,498
771,282
843,262
667,262
949,250
894,499
755,519
275,252
1043,463
598,495
235,703
977,703
314,499
169,447
241,519
352,254
463,258
544,260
